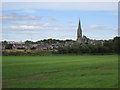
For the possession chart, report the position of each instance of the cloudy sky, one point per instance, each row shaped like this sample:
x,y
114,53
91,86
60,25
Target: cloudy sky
x,y
43,20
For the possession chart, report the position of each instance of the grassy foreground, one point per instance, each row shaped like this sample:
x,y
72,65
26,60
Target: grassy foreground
x,y
87,71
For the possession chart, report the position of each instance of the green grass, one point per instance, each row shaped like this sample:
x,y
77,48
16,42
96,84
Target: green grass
x,y
86,71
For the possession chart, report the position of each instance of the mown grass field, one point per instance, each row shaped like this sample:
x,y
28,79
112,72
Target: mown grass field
x,y
86,71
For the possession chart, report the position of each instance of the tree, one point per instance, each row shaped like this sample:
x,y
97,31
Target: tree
x,y
33,48
9,46
4,42
28,42
116,44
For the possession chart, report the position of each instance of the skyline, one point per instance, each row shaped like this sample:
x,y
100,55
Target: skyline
x,y
37,21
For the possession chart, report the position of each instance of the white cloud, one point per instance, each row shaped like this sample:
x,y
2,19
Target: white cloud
x,y
15,17
100,32
25,27
73,25
62,5
29,11
33,26
37,28
97,27
28,32
60,1
12,17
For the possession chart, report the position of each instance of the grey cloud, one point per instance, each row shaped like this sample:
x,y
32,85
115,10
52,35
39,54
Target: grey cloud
x,y
73,25
109,6
97,27
36,28
16,17
37,24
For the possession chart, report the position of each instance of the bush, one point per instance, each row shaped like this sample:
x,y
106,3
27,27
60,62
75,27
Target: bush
x,y
85,49
26,53
9,46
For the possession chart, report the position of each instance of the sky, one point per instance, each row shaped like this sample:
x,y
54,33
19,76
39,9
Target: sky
x,y
58,20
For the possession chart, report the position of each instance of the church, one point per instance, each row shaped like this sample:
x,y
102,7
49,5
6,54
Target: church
x,y
83,39
80,39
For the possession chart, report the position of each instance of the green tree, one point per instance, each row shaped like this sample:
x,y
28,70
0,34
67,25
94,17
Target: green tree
x,y
4,42
9,46
116,44
28,42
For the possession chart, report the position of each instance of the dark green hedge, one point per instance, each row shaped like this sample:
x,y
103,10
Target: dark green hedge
x,y
26,53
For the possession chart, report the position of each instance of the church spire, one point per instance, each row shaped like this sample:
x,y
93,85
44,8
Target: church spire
x,y
79,25
79,33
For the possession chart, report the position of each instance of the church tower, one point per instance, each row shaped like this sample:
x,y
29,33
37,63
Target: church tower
x,y
79,34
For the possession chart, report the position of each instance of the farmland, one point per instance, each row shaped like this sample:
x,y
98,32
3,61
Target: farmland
x,y
62,71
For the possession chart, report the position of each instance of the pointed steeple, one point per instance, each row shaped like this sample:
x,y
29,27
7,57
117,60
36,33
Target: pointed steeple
x,y
79,25
79,33
79,22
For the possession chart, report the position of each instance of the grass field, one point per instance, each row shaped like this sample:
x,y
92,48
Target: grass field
x,y
86,71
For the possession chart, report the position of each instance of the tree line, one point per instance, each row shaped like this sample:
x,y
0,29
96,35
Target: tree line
x,y
49,41
109,46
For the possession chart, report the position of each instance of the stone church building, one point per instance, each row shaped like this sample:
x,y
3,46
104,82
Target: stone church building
x,y
83,39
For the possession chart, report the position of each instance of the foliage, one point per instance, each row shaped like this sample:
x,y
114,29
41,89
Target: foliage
x,y
9,46
20,48
28,42
116,44
33,48
108,47
5,42
49,41
26,53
